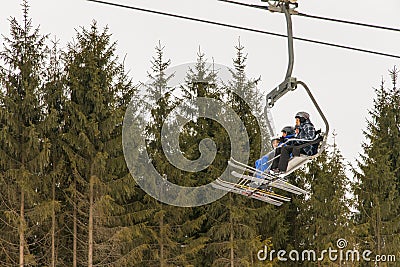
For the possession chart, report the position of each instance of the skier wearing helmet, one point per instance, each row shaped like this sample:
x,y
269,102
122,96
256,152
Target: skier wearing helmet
x,y
264,162
287,133
306,132
275,141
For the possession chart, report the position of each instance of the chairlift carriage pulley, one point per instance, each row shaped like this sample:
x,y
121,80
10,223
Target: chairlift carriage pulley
x,y
289,84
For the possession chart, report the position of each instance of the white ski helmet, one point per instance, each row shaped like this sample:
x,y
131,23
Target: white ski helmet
x,y
276,137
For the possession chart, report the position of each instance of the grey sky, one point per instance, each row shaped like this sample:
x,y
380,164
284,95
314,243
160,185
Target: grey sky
x,y
342,81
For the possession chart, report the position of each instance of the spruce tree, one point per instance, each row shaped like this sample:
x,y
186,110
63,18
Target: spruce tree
x,y
162,228
232,233
377,194
54,182
201,82
170,230
160,99
234,221
100,183
394,128
24,147
243,92
324,215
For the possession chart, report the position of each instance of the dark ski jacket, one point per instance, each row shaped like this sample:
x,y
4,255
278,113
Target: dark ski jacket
x,y
307,131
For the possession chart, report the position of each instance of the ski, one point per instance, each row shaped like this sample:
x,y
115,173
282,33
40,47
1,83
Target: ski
x,y
244,192
277,183
252,190
254,196
266,178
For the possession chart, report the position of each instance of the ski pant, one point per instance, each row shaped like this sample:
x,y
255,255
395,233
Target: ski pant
x,y
281,162
264,163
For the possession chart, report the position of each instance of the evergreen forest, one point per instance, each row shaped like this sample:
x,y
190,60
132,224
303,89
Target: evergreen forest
x,y
68,198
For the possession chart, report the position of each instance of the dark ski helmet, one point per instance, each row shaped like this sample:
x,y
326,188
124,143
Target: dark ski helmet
x,y
288,130
303,116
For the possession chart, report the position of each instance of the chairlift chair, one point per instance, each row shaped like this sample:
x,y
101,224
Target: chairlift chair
x,y
290,84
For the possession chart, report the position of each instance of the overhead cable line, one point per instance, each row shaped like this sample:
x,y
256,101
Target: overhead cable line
x,y
244,4
244,28
318,17
350,22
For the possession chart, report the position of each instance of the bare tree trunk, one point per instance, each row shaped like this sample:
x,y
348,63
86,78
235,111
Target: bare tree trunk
x,y
231,237
318,250
252,258
53,225
22,229
90,226
161,239
231,249
74,256
378,232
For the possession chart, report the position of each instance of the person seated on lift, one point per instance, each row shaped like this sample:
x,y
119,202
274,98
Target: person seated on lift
x,y
306,132
288,132
263,163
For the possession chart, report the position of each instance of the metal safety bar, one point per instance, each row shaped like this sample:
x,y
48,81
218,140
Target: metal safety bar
x,y
323,143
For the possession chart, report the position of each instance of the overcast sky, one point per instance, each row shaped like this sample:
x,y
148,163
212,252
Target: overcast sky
x,y
342,81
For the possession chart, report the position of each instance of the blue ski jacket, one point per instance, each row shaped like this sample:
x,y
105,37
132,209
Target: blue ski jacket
x,y
286,138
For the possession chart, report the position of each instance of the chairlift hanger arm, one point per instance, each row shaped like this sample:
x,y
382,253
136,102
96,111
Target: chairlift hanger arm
x,y
289,84
287,7
289,71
